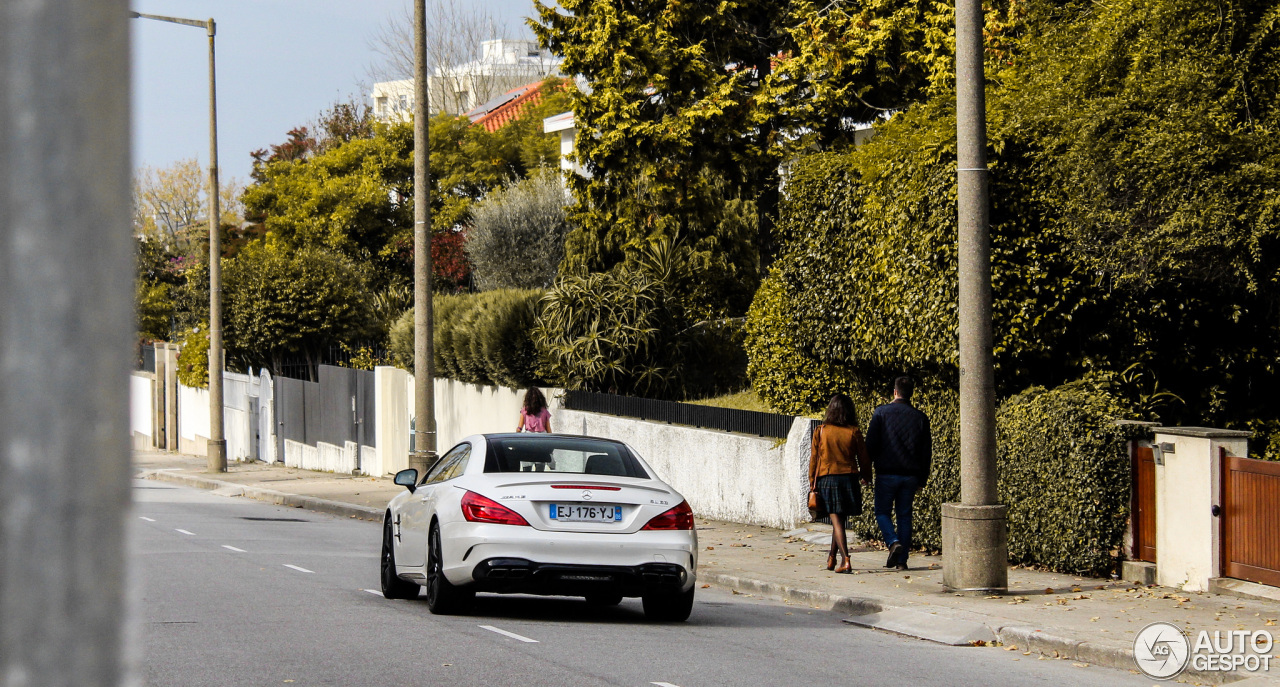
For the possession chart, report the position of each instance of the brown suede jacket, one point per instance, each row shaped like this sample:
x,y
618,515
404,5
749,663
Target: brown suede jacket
x,y
835,449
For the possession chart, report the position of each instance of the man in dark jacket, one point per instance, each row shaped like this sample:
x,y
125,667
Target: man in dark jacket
x,y
901,448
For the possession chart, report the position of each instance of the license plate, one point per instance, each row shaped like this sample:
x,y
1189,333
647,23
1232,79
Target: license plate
x,y
581,512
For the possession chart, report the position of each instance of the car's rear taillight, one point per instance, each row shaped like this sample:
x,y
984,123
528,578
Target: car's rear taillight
x,y
477,508
678,518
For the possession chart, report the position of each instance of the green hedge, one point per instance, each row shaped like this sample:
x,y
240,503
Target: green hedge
x,y
865,285
193,358
1063,470
481,338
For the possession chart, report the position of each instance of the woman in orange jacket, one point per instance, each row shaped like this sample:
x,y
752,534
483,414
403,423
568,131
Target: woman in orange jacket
x,y
838,461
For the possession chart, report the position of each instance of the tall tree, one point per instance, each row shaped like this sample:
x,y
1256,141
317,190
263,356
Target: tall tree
x,y
170,205
664,131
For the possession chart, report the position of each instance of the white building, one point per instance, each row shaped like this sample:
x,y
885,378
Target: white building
x,y
564,125
503,64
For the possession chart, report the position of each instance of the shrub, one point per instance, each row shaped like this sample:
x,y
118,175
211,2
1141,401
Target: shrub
x,y
483,338
1063,469
516,240
608,331
193,358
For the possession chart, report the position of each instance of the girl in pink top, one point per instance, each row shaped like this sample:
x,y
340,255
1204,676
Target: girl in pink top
x,y
534,416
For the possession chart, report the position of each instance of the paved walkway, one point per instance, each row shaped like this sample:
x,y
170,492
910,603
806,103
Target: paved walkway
x,y
1085,620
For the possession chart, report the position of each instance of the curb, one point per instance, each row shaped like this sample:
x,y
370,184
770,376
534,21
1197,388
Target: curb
x,y
279,498
1024,636
851,605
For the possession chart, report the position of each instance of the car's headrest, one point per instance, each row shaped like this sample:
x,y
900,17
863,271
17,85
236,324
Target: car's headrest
x,y
605,464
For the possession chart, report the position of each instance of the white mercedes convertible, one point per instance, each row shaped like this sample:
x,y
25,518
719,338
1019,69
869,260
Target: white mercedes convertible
x,y
540,514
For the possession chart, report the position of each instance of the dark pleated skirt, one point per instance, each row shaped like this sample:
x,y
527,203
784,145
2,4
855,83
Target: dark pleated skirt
x,y
839,494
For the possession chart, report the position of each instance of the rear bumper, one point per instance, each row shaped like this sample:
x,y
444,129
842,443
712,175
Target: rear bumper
x,y
520,576
568,563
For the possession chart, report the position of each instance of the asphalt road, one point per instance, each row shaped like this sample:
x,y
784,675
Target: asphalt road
x,y
238,592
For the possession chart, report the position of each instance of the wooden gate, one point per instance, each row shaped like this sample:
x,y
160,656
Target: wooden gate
x,y
1250,519
1144,504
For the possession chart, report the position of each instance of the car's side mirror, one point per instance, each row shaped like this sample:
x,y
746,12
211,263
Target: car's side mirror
x,y
408,479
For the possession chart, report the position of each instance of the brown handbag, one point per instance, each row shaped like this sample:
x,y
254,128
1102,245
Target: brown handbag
x,y
813,494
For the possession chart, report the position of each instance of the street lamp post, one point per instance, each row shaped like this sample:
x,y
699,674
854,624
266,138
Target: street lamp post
x,y
217,444
974,536
424,427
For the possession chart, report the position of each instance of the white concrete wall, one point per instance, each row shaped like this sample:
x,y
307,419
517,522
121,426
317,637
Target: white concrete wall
x,y
723,476
193,420
141,408
391,428
240,392
1187,487
461,410
323,457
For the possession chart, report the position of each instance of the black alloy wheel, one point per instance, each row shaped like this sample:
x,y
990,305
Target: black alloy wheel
x,y
392,586
443,598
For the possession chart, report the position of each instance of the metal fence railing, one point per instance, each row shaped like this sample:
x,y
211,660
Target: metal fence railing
x,y
707,417
299,367
147,359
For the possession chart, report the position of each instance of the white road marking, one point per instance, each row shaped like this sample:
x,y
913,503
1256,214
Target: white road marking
x,y
146,518
228,546
664,684
508,634
374,591
298,569
185,532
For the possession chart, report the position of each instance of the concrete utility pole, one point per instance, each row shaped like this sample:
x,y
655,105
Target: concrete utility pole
x,y
424,428
217,444
66,333
974,537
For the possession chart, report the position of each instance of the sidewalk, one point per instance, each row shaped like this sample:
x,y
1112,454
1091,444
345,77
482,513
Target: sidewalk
x,y
1086,620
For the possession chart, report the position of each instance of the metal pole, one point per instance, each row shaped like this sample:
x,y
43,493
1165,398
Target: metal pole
x,y
423,347
978,556
217,452
66,329
217,445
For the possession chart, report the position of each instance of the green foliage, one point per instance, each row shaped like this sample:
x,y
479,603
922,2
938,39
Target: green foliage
x,y
866,284
154,308
1063,469
1162,170
158,277
280,301
608,332
482,338
353,199
193,358
517,234
663,132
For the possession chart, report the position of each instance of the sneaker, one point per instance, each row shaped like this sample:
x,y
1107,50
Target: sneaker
x,y
895,550
902,564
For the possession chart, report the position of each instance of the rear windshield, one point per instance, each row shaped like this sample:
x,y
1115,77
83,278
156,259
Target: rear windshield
x,y
562,455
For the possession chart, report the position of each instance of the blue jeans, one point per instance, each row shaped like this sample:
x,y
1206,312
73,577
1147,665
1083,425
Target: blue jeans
x,y
895,493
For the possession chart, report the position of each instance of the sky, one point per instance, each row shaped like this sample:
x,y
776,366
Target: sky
x,y
279,64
